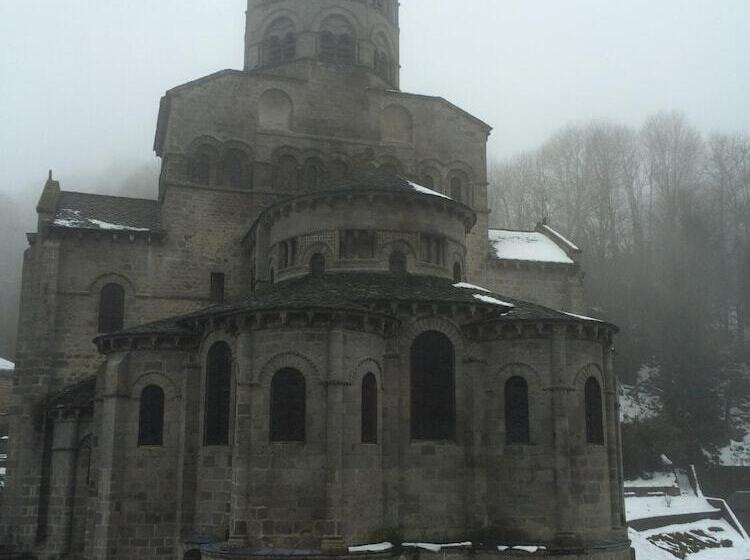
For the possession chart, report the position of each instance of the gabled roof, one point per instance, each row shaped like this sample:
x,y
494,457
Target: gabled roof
x,y
442,101
108,213
544,245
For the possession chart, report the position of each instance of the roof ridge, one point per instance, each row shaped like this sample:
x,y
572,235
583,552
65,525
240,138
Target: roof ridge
x,y
111,196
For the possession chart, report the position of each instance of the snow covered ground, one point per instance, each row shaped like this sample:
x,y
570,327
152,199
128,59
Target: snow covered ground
x,y
657,480
707,539
6,365
659,506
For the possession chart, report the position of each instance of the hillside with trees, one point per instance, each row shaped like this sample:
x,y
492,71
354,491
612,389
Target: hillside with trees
x,y
663,215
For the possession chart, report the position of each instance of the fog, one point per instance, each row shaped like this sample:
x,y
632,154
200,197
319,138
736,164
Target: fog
x,y
80,80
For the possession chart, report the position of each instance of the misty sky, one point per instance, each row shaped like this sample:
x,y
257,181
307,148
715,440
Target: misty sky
x,y
80,80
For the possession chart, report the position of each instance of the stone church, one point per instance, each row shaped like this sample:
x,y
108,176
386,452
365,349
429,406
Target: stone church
x,y
309,340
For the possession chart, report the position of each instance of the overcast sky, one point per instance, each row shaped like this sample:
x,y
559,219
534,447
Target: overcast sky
x,y
80,80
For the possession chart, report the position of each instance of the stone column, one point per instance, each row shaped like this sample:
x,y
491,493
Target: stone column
x,y
62,480
475,503
336,381
559,391
190,441
391,433
114,402
614,459
242,440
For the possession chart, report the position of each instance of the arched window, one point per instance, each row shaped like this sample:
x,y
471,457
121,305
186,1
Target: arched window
x,y
275,51
290,47
218,388
457,275
433,401
457,189
345,49
151,417
236,170
288,406
594,416
313,173
317,265
517,411
200,169
337,43
397,263
369,409
327,47
286,173
111,308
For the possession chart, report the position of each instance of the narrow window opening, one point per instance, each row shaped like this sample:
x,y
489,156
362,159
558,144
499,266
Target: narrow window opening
x,y
151,417
275,51
217,287
457,275
290,47
288,406
517,411
201,169
397,263
594,415
111,308
369,409
317,265
218,391
457,189
433,402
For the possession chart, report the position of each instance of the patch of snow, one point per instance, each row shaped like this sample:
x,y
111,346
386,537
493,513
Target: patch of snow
x,y
6,365
425,190
659,506
470,286
494,301
116,227
379,547
529,549
434,547
735,453
657,480
666,461
583,317
526,246
564,240
72,218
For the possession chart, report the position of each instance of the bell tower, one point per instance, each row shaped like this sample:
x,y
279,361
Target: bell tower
x,y
315,38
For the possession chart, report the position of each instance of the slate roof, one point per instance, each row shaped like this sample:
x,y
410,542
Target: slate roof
x,y
108,213
360,292
80,395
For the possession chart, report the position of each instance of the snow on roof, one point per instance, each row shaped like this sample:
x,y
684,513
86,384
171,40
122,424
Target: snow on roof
x,y
526,246
470,286
707,539
6,365
435,547
582,317
425,190
660,506
494,301
560,237
378,547
67,217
